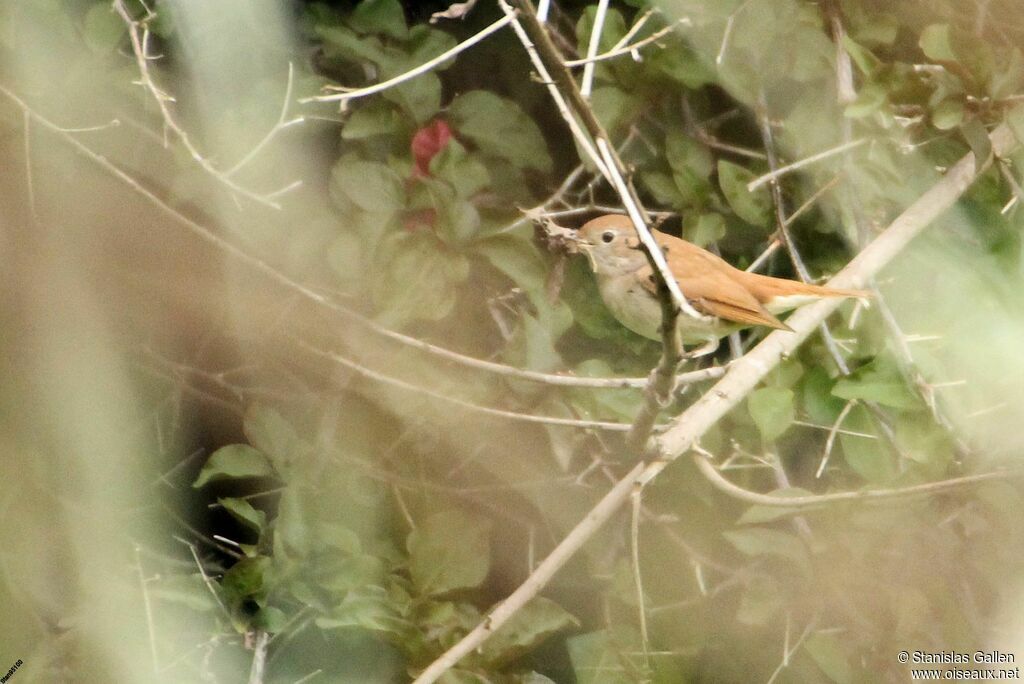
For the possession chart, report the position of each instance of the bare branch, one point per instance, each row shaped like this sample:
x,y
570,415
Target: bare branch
x,y
595,40
344,94
814,158
627,49
138,35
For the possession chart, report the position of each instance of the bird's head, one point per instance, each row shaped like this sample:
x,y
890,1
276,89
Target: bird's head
x,y
611,245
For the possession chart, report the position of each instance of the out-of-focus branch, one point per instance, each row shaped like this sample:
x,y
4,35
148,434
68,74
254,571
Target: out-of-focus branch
x,y
139,35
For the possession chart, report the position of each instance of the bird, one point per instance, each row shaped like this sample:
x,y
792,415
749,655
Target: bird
x,y
727,298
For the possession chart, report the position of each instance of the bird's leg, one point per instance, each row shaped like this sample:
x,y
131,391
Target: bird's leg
x,y
708,347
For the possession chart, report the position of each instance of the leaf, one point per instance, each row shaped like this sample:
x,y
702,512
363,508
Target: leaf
x,y
248,578
535,622
600,657
705,230
270,619
867,457
420,97
612,106
371,120
371,186
758,513
828,654
346,574
418,278
772,410
869,100
762,541
936,44
752,207
368,608
463,171
242,511
233,462
379,16
449,551
103,29
948,114
880,382
499,127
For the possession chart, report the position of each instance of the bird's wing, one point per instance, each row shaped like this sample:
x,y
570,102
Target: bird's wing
x,y
708,287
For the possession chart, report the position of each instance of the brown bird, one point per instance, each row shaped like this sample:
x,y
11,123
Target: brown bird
x,y
730,299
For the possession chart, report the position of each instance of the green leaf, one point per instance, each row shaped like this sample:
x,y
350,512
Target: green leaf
x,y
379,16
878,381
601,657
1010,79
374,119
368,608
425,43
103,28
499,127
869,100
705,230
371,186
772,410
612,106
242,511
948,114
463,171
449,551
232,462
686,154
758,513
867,457
420,97
828,654
248,578
936,44
345,574
270,619
535,622
418,278
752,207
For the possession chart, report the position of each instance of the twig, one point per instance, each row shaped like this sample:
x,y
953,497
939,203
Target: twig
x,y
627,49
587,83
814,158
730,390
714,476
344,94
259,658
563,107
510,415
138,35
148,606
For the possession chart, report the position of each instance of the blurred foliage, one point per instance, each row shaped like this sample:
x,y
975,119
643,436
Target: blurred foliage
x,y
381,546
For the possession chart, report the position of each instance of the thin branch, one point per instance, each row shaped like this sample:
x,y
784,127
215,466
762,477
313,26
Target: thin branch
x,y
344,94
832,433
587,82
714,476
730,390
259,658
148,607
563,107
138,35
627,49
510,415
814,158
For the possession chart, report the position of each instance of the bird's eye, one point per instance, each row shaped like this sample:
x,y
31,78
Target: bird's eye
x,y
607,236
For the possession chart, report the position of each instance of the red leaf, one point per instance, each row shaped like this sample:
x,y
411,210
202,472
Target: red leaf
x,y
427,142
